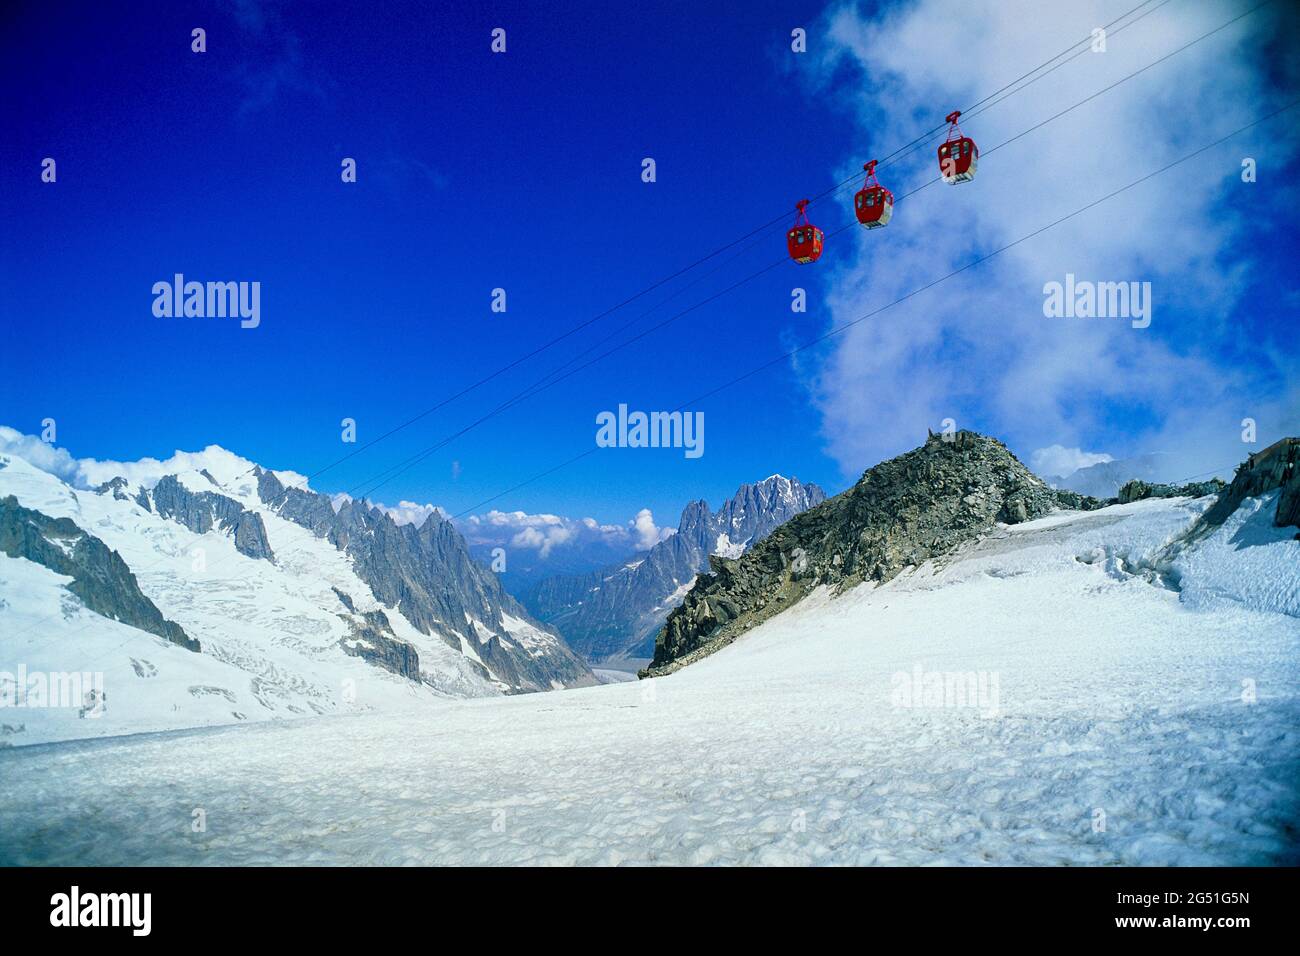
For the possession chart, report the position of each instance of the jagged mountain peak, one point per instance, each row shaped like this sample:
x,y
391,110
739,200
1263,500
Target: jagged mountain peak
x,y
251,563
901,512
613,613
426,572
695,515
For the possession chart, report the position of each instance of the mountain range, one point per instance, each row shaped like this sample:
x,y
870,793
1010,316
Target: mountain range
x,y
610,616
208,589
950,649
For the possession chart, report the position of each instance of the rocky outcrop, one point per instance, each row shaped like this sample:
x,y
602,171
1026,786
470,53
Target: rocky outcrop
x,y
373,640
427,574
201,511
116,487
1138,490
1288,505
616,611
345,598
307,508
902,512
1276,467
1104,479
100,578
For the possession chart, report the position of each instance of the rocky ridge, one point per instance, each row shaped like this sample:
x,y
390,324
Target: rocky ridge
x,y
428,575
902,512
199,511
100,578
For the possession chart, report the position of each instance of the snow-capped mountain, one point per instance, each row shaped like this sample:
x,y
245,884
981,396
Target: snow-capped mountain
x,y
611,615
988,707
206,590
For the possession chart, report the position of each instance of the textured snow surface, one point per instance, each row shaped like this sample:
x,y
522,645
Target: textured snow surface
x,y
1119,734
1266,559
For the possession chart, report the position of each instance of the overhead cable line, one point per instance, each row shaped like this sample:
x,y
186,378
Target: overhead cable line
x,y
657,284
840,329
384,477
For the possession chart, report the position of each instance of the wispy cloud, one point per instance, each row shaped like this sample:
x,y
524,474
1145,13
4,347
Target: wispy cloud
x,y
1060,461
274,64
978,348
544,533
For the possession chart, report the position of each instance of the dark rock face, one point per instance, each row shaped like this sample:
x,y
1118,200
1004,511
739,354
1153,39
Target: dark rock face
x,y
373,640
428,575
345,598
100,578
202,511
116,487
1288,506
617,610
1138,490
311,510
901,512
1277,466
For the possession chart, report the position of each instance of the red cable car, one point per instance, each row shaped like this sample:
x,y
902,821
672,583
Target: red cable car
x,y
873,203
958,156
805,239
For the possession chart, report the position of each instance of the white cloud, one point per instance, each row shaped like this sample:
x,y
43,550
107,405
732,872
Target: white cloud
x,y
225,466
44,456
977,348
513,519
1059,461
542,541
647,533
544,533
409,512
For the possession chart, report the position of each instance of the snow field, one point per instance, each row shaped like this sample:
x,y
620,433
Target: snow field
x,y
1130,727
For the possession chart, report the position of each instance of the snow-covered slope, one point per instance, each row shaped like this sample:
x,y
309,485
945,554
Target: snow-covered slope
x,y
285,624
1111,721
272,633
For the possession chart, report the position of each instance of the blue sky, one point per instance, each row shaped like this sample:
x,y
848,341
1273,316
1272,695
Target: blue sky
x,y
523,171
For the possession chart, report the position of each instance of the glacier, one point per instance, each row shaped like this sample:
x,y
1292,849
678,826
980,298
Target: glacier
x,y
1142,718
